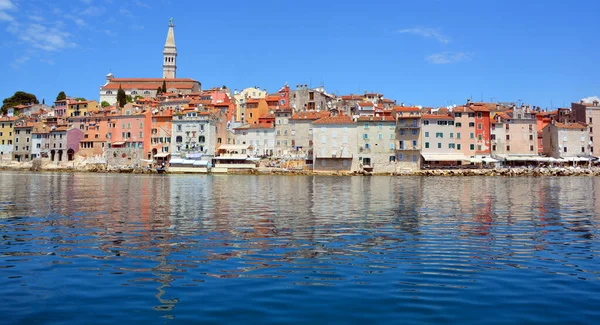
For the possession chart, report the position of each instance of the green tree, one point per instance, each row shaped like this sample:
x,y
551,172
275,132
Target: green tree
x,y
43,101
164,86
159,90
138,97
19,98
121,98
61,96
81,99
129,99
104,103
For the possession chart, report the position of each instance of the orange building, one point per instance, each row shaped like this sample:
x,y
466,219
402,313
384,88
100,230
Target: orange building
x,y
255,108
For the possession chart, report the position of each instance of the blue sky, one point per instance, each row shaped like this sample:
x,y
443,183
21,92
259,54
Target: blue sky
x,y
431,53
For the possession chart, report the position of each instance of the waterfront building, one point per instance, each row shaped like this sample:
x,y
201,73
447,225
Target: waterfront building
x,y
482,113
22,144
7,125
519,143
255,108
161,133
260,139
589,114
283,133
64,143
130,127
335,144
567,140
439,145
376,144
40,143
301,125
408,137
194,134
464,129
542,120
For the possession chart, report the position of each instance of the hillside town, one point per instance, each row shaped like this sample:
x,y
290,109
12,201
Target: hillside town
x,y
173,124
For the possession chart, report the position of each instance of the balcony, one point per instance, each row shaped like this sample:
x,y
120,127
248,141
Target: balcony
x,y
411,147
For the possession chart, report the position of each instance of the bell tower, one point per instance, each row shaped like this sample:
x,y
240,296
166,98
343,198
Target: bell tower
x,y
170,54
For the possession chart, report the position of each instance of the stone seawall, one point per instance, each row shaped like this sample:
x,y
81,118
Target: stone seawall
x,y
96,167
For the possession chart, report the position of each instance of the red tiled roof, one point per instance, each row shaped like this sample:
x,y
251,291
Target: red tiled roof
x,y
335,120
149,83
310,115
437,117
406,109
366,104
376,118
350,97
570,125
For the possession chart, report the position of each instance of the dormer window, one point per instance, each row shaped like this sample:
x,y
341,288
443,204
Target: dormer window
x,y
108,92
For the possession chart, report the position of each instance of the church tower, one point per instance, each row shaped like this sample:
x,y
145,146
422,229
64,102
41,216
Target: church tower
x,y
170,54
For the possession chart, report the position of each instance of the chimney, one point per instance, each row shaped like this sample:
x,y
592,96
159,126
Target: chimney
x,y
468,102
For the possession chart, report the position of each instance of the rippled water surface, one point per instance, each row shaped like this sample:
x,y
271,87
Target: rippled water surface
x,y
92,248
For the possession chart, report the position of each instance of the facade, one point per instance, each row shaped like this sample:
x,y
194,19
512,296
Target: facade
x,y
40,141
310,99
301,125
7,125
61,106
145,87
130,129
464,127
335,144
482,128
376,144
255,109
283,133
193,135
566,140
241,98
438,146
408,137
588,113
160,134
23,142
81,108
64,143
260,139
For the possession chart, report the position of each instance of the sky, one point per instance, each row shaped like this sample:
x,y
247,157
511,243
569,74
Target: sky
x,y
431,52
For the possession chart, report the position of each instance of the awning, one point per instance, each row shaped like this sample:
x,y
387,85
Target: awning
x,y
188,161
231,158
162,155
444,157
200,163
176,161
253,159
490,160
475,160
233,147
119,143
521,157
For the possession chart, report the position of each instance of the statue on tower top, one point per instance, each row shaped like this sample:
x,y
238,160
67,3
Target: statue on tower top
x,y
171,22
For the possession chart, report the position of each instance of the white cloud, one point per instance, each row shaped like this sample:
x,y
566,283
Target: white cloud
x,y
141,4
93,11
20,61
448,57
87,2
36,18
426,32
42,37
124,11
591,99
79,22
6,5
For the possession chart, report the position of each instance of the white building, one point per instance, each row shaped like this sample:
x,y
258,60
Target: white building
x,y
193,135
259,137
566,140
335,144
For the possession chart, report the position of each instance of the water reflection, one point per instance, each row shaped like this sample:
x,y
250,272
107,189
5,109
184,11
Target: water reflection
x,y
165,240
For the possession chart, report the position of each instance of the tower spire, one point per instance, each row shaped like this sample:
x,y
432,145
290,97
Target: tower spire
x,y
170,53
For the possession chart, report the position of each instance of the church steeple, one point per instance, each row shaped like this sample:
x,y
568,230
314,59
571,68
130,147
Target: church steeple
x,y
170,54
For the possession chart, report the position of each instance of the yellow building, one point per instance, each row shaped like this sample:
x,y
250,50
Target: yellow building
x,y
81,108
7,135
241,98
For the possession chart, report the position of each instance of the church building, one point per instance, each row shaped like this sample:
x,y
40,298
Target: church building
x,y
147,87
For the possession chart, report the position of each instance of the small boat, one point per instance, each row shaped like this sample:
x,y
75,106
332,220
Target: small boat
x,y
160,170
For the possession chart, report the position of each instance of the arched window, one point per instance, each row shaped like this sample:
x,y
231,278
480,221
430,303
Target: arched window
x,y
201,139
179,139
108,92
146,92
134,92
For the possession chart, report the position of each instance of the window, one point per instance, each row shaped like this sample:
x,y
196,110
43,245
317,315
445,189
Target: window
x,y
472,135
530,127
458,135
426,145
425,122
402,132
565,149
494,147
479,137
439,135
530,148
380,126
591,130
392,146
451,146
508,137
458,146
479,126
479,115
471,114
451,135
178,139
531,137
507,148
179,127
392,158
415,158
439,145
366,125
400,156
427,134
590,120
366,136
414,143
458,124
457,114
414,132
492,137
582,149
380,136
471,124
